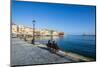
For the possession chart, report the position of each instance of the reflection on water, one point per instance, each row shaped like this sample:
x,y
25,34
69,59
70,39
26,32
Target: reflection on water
x,y
84,45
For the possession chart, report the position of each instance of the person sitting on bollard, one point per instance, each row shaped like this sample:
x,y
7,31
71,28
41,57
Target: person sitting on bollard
x,y
49,44
55,46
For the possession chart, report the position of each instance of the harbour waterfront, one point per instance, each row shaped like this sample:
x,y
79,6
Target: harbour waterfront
x,y
80,44
23,53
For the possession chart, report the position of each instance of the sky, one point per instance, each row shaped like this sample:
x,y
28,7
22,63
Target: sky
x,y
68,18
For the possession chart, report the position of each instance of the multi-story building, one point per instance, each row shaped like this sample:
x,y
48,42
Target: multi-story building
x,y
14,28
28,31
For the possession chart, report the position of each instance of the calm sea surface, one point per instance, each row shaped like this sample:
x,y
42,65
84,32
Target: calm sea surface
x,y
83,45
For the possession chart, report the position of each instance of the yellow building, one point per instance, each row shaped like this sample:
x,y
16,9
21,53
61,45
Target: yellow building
x,y
55,33
20,29
14,28
28,31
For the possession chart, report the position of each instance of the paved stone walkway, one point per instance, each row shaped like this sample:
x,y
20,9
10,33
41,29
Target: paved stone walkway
x,y
23,53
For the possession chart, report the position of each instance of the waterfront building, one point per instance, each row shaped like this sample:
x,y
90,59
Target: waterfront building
x,y
14,28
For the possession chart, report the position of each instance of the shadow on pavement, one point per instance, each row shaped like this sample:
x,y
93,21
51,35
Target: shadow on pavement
x,y
51,51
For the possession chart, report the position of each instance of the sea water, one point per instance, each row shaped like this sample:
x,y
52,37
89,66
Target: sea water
x,y
81,44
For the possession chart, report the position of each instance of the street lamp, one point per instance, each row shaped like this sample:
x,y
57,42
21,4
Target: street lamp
x,y
51,35
33,40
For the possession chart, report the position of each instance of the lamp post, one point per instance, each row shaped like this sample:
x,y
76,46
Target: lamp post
x,y
17,31
33,40
51,35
